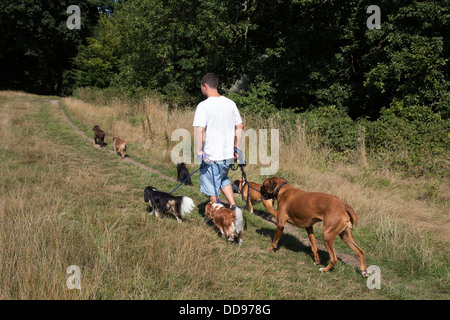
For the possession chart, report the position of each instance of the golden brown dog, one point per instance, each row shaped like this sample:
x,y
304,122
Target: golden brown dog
x,y
303,209
253,190
120,145
226,220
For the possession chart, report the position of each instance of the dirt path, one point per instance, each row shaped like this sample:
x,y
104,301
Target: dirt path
x,y
343,257
127,159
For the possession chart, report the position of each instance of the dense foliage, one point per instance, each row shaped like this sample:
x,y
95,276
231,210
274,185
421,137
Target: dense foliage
x,y
285,54
305,56
36,47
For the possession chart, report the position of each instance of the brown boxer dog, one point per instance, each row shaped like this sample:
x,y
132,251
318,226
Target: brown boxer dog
x,y
303,209
254,195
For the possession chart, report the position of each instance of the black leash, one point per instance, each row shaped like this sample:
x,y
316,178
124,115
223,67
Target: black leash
x,y
241,164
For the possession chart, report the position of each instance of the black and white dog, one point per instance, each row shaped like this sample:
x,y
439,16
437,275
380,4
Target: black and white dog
x,y
183,173
163,202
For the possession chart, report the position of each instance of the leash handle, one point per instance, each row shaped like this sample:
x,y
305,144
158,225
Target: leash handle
x,y
241,156
204,156
239,162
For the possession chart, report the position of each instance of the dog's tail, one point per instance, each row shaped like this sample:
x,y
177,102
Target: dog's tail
x,y
239,224
187,205
239,220
352,214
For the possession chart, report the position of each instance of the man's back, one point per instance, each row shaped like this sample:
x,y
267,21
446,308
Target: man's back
x,y
219,116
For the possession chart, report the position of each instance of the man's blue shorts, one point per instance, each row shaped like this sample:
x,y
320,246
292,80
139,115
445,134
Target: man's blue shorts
x,y
218,169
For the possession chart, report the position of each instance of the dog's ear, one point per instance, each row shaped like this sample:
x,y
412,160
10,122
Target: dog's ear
x,y
147,196
208,210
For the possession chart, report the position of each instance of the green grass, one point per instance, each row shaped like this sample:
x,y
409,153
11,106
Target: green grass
x,y
64,202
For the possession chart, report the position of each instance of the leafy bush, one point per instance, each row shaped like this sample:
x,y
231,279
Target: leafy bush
x,y
257,99
415,139
408,139
334,128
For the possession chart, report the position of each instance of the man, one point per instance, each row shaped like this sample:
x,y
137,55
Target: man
x,y
217,122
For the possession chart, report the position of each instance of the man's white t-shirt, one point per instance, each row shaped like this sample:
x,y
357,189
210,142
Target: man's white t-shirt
x,y
219,116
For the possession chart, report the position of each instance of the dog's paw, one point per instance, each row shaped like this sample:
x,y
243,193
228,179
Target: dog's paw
x,y
364,273
323,270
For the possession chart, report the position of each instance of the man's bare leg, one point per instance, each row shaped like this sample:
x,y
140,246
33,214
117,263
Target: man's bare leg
x,y
228,192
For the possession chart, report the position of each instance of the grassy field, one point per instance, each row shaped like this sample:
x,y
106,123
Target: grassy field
x,y
65,202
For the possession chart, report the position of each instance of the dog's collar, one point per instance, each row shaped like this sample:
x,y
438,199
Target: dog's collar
x,y
278,190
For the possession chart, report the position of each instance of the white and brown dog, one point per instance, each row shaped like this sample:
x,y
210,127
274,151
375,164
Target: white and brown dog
x,y
229,222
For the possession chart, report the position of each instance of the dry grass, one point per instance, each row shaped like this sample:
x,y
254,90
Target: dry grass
x,y
377,196
303,161
61,208
65,203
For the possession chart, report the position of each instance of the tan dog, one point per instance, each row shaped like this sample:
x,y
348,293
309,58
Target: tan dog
x,y
120,145
226,220
303,209
253,190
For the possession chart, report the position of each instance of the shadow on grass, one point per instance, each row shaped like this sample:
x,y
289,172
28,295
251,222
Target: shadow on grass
x,y
292,243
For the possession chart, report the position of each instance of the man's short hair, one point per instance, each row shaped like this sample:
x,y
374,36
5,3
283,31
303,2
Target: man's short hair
x,y
211,80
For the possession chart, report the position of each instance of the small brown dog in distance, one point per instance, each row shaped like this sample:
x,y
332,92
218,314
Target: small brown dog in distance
x,y
303,209
99,135
226,220
120,145
253,190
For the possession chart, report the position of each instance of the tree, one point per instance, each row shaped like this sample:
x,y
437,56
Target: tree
x,y
296,54
167,46
320,53
35,44
412,64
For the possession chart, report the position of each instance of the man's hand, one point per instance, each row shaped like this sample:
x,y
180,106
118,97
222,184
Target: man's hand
x,y
204,156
